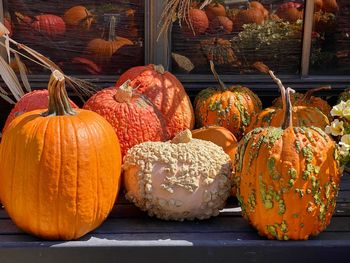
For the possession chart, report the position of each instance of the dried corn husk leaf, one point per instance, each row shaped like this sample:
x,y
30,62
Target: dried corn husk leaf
x,y
183,62
4,95
23,72
10,79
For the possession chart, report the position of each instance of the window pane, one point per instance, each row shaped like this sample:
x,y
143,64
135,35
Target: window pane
x,y
83,37
331,38
237,34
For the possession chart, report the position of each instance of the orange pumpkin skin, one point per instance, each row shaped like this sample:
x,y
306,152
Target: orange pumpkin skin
x,y
249,16
258,5
166,92
214,10
232,108
199,21
51,25
330,6
298,99
287,181
220,136
318,5
133,119
302,116
221,23
78,16
35,100
66,176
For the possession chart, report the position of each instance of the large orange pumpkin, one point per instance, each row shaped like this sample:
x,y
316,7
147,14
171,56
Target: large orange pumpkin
x,y
101,50
67,168
287,179
309,100
166,92
133,117
230,107
34,100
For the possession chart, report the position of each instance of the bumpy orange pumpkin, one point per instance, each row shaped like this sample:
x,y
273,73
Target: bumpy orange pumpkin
x,y
166,92
308,100
101,50
220,136
302,115
287,179
35,100
199,23
133,117
230,107
68,164
78,16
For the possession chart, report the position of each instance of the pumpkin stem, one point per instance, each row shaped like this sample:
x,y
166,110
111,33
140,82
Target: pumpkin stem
x,y
124,92
217,77
58,98
112,24
159,68
182,137
265,69
310,92
288,114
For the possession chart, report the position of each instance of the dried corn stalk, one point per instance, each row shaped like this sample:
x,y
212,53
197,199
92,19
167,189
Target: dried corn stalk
x,y
177,10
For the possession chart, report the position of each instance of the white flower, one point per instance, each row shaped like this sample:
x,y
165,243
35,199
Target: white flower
x,y
336,128
338,109
345,139
344,150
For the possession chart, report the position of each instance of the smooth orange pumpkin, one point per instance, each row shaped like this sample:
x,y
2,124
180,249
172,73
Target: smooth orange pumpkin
x,y
166,92
287,179
101,50
220,136
134,118
215,9
78,16
221,24
248,16
230,107
67,168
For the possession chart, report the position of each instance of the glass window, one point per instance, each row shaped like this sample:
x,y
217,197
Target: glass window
x,y
82,37
236,33
331,38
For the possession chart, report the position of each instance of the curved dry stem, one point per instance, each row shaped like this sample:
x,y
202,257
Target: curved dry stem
x,y
217,77
310,92
288,113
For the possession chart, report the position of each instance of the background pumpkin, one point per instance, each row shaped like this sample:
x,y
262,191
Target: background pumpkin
x,y
230,107
248,16
290,12
50,25
67,170
133,117
219,50
199,21
34,100
174,180
215,9
287,179
101,50
78,16
166,92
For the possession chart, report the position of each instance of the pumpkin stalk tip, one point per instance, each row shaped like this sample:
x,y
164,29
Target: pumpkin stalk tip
x,y
58,98
159,68
124,93
288,118
182,137
310,92
217,77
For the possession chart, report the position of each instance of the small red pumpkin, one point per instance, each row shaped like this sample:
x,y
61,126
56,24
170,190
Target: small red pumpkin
x,y
35,100
166,92
50,25
134,119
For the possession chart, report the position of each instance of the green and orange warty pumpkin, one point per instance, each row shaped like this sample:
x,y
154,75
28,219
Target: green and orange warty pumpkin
x,y
181,179
230,107
133,117
166,92
302,115
59,169
287,179
307,99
